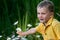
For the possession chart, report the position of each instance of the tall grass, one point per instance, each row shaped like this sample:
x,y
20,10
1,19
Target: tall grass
x,y
23,11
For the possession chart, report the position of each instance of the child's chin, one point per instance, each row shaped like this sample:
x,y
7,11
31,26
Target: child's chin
x,y
42,21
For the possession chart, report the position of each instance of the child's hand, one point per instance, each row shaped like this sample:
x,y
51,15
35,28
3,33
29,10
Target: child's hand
x,y
20,33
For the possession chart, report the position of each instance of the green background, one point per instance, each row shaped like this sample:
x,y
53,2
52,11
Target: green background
x,y
23,11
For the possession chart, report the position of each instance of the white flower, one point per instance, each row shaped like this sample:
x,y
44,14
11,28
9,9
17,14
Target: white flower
x,y
15,23
23,38
29,25
16,38
0,36
18,29
13,36
37,36
13,39
27,29
8,38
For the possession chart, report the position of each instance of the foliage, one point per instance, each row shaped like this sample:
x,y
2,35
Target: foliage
x,y
23,11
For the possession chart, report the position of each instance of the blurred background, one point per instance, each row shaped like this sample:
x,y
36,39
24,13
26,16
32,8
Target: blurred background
x,y
21,14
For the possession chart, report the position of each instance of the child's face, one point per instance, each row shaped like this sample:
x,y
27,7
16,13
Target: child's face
x,y
43,14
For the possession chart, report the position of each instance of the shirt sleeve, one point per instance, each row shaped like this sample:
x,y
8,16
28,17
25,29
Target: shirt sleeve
x,y
39,28
57,30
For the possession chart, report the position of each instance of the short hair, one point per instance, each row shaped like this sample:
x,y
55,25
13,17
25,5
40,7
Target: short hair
x,y
48,4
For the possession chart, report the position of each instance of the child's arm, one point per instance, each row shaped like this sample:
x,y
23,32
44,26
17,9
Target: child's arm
x,y
31,31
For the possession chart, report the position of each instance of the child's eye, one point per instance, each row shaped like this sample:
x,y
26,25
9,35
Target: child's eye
x,y
38,13
43,13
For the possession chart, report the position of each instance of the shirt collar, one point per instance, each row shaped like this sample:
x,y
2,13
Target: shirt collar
x,y
50,21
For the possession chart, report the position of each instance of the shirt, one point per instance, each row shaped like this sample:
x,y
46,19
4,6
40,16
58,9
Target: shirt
x,y
51,31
